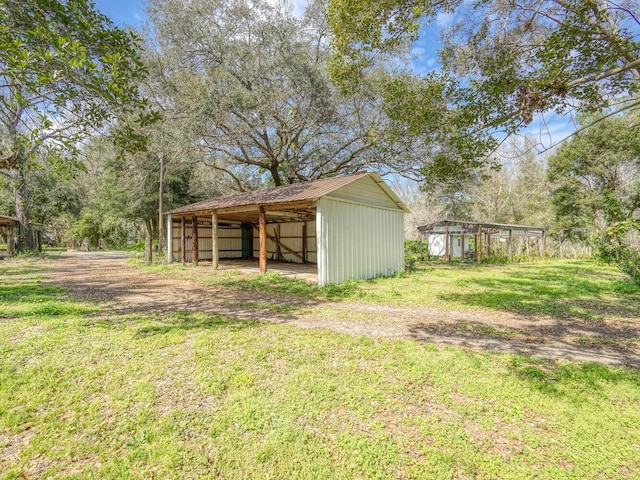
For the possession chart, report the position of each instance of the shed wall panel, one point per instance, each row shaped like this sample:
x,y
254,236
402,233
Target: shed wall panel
x,y
437,246
365,191
357,241
291,236
228,247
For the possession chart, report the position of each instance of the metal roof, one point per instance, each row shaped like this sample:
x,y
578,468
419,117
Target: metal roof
x,y
459,226
287,194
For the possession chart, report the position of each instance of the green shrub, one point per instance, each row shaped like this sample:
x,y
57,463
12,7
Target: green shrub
x,y
630,264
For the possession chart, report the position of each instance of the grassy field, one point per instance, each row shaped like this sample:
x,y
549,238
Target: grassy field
x,y
560,288
85,393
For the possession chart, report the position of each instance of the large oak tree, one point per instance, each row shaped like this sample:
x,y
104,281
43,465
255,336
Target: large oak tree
x,y
247,82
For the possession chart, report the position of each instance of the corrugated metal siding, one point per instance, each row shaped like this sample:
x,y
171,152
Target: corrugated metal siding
x,y
365,190
291,236
229,247
358,241
230,241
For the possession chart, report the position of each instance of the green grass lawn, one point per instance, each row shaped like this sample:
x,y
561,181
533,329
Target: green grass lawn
x,y
560,288
85,393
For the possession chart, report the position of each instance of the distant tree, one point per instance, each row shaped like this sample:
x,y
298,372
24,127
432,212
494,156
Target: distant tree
x,y
597,182
129,191
506,60
65,70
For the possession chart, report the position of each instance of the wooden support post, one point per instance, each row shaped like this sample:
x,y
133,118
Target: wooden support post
x,y
420,247
304,242
528,247
169,239
543,244
479,245
215,252
10,243
462,248
278,243
452,250
262,221
194,242
278,247
183,240
510,245
446,243
488,244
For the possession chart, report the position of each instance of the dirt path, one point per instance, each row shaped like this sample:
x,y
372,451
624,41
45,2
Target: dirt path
x,y
105,277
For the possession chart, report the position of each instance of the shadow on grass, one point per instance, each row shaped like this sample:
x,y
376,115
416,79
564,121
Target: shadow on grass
x,y
185,321
578,380
33,299
275,283
580,293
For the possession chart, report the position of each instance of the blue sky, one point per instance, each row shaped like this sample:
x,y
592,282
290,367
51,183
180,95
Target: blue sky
x,y
123,12
547,130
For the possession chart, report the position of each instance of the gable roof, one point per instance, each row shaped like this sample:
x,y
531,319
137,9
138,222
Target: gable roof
x,y
457,227
284,195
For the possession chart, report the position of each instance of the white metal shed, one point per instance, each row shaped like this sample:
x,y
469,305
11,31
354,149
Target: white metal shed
x,y
350,227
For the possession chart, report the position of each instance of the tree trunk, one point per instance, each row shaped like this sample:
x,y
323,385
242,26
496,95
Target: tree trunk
x,y
26,240
161,235
148,242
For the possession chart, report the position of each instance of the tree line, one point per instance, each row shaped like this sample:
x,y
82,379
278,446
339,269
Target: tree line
x,y
102,129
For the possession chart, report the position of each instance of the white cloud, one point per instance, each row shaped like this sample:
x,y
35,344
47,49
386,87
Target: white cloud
x,y
444,19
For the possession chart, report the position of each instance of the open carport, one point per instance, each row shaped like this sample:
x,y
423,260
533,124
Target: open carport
x,y
347,227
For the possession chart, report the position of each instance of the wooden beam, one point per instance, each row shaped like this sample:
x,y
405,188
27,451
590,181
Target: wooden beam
x,y
183,240
488,244
262,220
194,242
215,253
282,245
446,243
278,244
11,247
169,239
479,245
304,242
510,245
306,208
276,207
543,244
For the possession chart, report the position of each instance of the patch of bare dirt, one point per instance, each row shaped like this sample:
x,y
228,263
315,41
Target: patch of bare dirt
x,y
105,277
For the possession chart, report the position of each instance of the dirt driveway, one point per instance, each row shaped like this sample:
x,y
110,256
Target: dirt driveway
x,y
106,277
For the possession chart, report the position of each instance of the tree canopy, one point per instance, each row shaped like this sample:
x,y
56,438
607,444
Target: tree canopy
x,y
511,59
65,70
249,81
597,182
